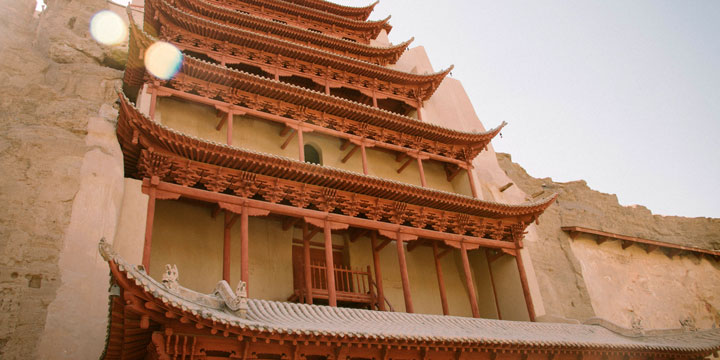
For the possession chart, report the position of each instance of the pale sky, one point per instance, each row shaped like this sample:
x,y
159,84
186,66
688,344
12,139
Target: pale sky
x,y
623,94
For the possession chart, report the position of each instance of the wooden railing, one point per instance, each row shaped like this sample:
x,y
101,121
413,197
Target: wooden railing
x,y
351,285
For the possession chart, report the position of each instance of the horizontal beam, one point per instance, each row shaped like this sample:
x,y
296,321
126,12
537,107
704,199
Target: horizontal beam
x,y
627,241
448,238
318,244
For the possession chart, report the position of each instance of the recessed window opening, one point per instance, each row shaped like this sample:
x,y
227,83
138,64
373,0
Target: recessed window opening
x,y
312,155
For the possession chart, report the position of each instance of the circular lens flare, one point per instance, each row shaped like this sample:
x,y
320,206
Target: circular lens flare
x,y
163,60
108,28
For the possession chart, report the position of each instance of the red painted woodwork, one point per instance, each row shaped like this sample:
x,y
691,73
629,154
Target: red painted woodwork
x,y
469,283
440,279
404,275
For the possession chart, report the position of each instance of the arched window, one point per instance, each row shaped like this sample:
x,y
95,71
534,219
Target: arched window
x,y
312,155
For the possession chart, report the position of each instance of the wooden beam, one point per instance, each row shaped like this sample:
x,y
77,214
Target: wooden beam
x,y
306,265
625,244
229,128
244,250
404,165
404,276
318,244
444,252
288,210
469,281
301,145
289,138
422,172
382,245
441,281
233,220
220,123
226,246
345,145
451,174
330,266
525,286
506,186
312,233
400,156
601,239
378,273
650,248
350,154
492,282
363,154
285,130
149,221
471,180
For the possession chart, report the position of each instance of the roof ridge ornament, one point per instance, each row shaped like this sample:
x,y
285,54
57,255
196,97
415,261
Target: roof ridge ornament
x,y
170,278
236,301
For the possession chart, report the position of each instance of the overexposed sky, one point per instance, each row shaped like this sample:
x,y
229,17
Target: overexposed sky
x,y
623,94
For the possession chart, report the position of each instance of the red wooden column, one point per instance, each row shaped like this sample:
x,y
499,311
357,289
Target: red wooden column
x,y
378,273
306,264
404,274
469,169
329,265
422,171
301,144
245,248
229,127
419,113
441,281
364,158
149,220
469,281
226,246
524,283
492,282
153,102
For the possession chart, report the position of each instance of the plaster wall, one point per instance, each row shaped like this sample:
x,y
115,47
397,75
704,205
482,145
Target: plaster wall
x,y
651,289
130,236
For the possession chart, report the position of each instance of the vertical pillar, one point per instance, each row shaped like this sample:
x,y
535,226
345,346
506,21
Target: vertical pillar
x,y
149,227
378,273
330,266
422,171
153,103
229,127
404,274
364,158
327,88
301,144
492,283
525,287
471,179
419,108
469,281
306,264
441,281
226,247
374,100
277,75
244,248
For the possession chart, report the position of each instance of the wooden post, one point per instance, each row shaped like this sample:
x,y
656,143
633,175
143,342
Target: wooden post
x,y
148,228
422,172
492,282
472,180
364,158
404,274
441,281
153,103
419,107
374,99
330,266
378,273
469,281
229,127
226,247
244,248
525,287
301,144
306,264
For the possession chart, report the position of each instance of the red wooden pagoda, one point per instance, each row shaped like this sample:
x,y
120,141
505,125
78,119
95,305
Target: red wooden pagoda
x,y
309,66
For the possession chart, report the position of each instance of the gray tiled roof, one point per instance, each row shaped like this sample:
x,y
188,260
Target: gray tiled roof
x,y
291,318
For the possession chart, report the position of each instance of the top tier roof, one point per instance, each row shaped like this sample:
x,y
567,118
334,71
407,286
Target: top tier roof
x,y
359,13
371,28
235,21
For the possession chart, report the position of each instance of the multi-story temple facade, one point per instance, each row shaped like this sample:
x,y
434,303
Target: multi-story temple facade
x,y
293,154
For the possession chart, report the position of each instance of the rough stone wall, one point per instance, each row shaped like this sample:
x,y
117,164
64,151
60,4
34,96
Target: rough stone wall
x,y
580,279
56,113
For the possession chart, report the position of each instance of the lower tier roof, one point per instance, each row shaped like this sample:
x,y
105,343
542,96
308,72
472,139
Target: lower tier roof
x,y
294,323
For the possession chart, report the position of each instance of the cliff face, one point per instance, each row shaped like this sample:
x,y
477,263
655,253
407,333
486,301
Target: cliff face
x,y
580,279
58,155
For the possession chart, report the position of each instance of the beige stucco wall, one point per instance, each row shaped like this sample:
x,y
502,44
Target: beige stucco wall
x,y
632,285
130,236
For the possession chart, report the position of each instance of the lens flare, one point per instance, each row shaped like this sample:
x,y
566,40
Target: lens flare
x,y
163,60
108,28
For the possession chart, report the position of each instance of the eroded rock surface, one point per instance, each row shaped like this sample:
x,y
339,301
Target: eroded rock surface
x,y
580,279
54,80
